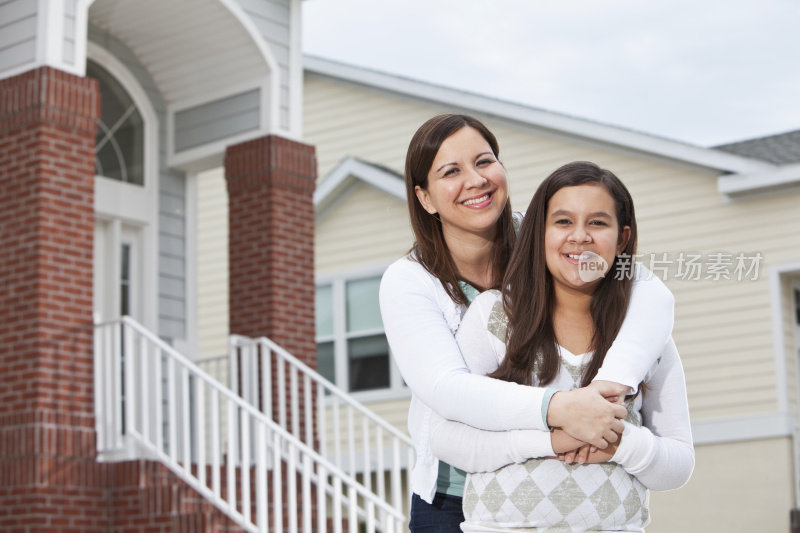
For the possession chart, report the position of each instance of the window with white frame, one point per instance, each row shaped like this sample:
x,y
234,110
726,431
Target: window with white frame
x,y
119,146
352,350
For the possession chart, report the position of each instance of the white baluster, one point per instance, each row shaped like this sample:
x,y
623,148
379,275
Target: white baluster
x,y
159,399
306,488
322,498
352,515
216,454
233,455
291,487
277,489
294,397
262,506
200,424
186,418
337,504
244,466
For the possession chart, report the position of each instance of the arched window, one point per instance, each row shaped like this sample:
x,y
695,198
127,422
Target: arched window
x,y
119,148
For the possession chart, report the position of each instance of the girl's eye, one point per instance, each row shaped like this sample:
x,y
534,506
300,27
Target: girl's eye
x,y
450,172
599,223
562,221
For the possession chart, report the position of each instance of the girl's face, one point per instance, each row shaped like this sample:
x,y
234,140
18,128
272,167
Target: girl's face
x,y
581,221
467,186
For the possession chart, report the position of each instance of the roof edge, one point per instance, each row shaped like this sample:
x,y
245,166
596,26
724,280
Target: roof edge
x,y
704,157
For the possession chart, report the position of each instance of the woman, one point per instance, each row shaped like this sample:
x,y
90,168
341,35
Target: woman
x,y
464,230
552,326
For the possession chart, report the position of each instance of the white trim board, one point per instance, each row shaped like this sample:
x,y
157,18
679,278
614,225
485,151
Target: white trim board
x,y
739,429
779,348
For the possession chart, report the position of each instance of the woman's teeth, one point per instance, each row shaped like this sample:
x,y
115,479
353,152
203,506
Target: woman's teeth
x,y
478,200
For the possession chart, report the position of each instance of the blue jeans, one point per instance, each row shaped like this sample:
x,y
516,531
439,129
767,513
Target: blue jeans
x,y
444,515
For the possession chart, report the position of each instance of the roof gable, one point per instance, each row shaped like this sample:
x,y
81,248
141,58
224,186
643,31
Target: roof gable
x,y
350,172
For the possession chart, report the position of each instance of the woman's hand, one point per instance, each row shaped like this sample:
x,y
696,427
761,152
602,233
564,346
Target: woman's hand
x,y
586,415
613,392
588,454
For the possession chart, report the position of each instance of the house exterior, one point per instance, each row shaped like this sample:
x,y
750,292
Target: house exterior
x,y
108,111
181,164
720,226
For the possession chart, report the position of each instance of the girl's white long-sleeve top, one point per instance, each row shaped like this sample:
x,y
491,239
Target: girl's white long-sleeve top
x,y
659,453
420,321
655,452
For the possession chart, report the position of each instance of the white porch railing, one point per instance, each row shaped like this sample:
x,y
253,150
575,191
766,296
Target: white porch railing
x,y
349,435
152,402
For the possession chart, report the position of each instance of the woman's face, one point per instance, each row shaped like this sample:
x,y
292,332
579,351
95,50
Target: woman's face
x,y
467,186
581,222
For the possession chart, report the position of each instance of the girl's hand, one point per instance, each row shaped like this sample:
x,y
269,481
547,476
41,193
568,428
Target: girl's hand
x,y
588,454
562,442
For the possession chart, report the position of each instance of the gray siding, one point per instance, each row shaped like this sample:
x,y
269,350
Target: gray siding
x,y
272,18
171,203
217,120
17,33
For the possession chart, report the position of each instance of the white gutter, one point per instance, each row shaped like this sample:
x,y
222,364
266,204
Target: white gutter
x,y
785,175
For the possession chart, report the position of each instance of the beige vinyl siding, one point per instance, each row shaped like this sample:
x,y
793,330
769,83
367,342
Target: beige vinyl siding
x,y
212,265
723,329
367,228
343,119
212,279
739,487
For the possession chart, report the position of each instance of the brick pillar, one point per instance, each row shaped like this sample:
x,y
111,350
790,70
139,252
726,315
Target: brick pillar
x,y
271,250
271,242
49,479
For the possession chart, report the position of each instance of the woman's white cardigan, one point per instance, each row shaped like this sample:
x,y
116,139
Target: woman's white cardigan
x,y
420,321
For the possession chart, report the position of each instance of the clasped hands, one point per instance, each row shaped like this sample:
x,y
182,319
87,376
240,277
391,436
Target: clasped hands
x,y
587,422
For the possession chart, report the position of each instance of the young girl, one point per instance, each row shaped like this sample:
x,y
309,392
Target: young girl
x,y
552,325
458,204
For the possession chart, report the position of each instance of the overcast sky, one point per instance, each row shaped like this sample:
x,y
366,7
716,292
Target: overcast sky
x,y
705,72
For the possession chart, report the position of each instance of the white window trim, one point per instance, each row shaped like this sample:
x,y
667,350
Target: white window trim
x,y
135,205
337,282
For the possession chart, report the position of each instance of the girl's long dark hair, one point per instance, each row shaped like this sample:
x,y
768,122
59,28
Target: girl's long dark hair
x,y
528,293
430,248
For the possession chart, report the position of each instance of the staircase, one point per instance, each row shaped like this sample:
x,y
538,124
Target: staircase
x,y
277,448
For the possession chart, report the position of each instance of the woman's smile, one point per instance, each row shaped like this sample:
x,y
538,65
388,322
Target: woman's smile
x,y
479,202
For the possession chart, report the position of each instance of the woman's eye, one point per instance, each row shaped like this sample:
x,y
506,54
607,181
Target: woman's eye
x,y
562,221
450,172
484,162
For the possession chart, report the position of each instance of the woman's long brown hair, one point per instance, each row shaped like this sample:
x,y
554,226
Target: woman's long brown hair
x,y
528,294
430,248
